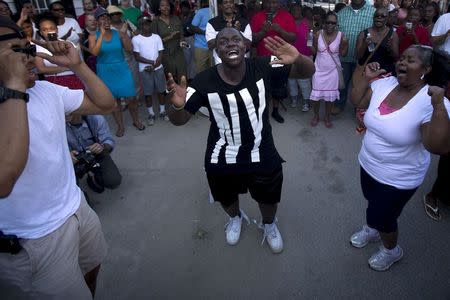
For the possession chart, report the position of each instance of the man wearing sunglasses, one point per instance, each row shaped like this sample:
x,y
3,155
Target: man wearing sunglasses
x,y
51,242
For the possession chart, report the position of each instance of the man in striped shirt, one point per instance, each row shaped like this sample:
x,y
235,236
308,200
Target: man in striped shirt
x,y
241,154
352,20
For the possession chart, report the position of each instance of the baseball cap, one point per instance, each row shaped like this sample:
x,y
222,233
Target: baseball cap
x,y
100,11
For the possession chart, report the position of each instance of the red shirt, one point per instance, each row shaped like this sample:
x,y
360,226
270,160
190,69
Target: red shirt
x,y
282,17
81,20
406,40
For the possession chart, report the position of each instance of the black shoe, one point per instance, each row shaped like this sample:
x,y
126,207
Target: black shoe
x,y
94,186
276,115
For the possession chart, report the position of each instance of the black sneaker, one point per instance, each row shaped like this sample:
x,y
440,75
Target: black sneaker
x,y
276,115
93,185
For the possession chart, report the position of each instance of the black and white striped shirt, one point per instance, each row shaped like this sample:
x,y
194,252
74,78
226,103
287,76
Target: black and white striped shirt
x,y
240,137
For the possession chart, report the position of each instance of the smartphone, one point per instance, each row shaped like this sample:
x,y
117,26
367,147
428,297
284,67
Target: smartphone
x,y
52,36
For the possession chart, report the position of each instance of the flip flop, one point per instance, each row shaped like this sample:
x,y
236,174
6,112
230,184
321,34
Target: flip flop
x,y
432,212
140,128
314,122
120,132
328,124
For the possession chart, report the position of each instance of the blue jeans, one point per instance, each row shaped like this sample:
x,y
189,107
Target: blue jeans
x,y
347,71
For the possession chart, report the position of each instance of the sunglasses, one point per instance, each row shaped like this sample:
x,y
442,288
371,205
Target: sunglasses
x,y
330,23
29,50
58,9
379,16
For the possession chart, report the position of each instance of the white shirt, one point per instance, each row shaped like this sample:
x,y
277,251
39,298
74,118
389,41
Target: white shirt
x,y
441,27
64,28
148,47
392,151
49,64
46,194
211,33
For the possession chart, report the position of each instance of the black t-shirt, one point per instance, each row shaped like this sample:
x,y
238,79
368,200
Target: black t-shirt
x,y
219,23
240,136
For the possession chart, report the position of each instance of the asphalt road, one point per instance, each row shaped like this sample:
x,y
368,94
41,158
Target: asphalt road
x,y
167,242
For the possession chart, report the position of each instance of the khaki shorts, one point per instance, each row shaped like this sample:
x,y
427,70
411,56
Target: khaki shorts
x,y
53,266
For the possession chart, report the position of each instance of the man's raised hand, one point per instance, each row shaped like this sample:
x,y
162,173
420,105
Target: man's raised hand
x,y
177,92
13,66
285,52
64,53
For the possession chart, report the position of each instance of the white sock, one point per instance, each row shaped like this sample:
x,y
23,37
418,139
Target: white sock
x,y
150,111
371,230
393,251
162,108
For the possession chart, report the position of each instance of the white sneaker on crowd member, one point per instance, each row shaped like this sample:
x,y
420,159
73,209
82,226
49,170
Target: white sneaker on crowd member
x,y
164,116
294,103
385,258
305,107
364,236
273,236
233,228
151,120
204,111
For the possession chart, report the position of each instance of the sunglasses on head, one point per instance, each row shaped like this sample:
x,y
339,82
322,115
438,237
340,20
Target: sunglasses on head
x,y
330,23
29,50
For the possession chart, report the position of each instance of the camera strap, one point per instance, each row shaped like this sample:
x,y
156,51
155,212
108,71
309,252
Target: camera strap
x,y
90,129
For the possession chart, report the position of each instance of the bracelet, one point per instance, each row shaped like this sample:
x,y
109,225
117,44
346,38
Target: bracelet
x,y
177,108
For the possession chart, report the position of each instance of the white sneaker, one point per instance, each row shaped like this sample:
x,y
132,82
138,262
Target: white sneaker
x,y
273,236
164,116
305,107
366,235
384,259
233,228
294,103
151,120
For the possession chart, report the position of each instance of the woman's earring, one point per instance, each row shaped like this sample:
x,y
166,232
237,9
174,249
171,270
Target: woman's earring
x,y
422,77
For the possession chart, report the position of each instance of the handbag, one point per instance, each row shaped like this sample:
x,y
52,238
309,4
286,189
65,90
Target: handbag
x,y
359,73
341,85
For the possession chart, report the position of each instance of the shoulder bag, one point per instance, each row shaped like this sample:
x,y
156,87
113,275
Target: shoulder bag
x,y
358,74
338,67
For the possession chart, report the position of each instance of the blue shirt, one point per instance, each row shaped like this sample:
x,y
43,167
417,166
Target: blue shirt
x,y
200,20
81,137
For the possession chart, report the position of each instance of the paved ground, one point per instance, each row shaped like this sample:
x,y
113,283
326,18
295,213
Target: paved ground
x,y
167,242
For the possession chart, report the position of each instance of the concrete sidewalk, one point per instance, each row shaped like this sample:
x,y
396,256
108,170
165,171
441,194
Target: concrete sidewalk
x,y
167,242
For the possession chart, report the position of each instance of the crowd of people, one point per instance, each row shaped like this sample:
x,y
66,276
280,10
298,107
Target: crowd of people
x,y
390,60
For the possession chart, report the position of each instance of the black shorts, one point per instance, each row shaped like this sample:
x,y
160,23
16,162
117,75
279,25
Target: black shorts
x,y
385,203
264,187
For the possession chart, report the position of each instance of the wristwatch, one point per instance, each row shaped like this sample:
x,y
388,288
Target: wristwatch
x,y
6,94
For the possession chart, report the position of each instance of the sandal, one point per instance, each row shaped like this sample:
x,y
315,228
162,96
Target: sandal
x,y
314,122
328,124
120,132
139,127
432,212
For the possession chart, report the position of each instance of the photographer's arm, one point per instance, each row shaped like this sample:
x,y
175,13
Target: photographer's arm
x,y
97,97
14,133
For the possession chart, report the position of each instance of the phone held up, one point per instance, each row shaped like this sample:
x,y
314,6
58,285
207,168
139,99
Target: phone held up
x,y
52,36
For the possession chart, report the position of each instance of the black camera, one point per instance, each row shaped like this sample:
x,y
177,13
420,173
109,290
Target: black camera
x,y
86,162
9,244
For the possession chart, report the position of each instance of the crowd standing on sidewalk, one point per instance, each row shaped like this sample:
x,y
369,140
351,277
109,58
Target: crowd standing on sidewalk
x,y
389,63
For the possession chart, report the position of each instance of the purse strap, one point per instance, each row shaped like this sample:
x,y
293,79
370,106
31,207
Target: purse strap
x,y
375,50
328,49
